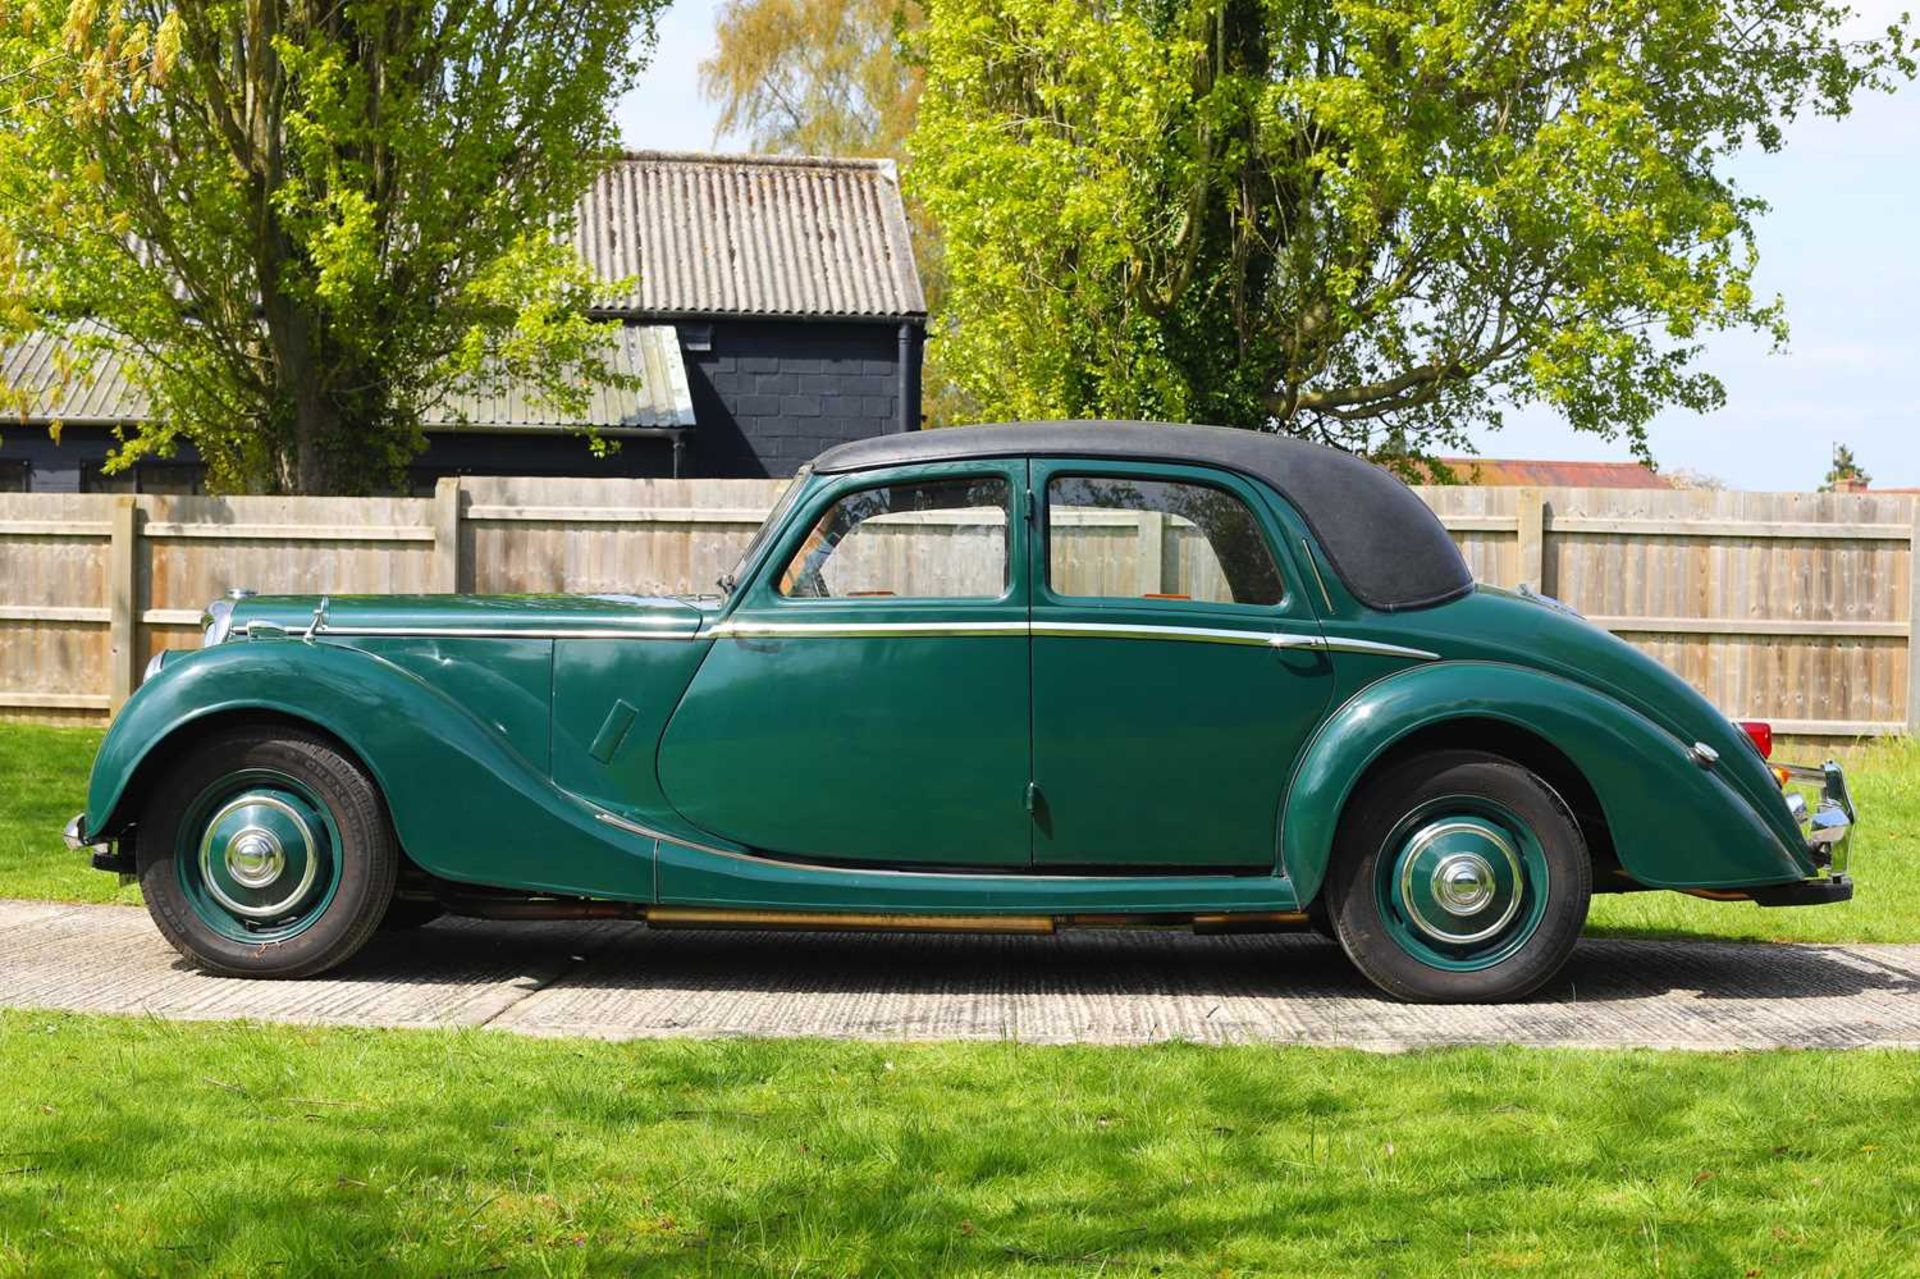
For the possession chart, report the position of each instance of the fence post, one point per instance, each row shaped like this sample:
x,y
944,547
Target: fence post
x,y
1913,621
1153,552
123,601
1533,538
446,535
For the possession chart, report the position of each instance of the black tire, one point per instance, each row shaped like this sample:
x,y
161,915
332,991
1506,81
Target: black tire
x,y
1391,871
360,854
405,913
1320,920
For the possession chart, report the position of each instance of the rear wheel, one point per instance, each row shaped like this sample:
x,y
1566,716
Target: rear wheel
x,y
1459,878
267,853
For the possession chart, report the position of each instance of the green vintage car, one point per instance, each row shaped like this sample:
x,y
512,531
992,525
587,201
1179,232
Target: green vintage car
x,y
995,679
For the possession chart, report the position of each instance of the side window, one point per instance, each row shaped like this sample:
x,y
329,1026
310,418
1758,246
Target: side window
x,y
927,539
1117,537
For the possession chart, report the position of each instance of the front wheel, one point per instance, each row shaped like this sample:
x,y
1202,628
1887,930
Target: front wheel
x,y
1459,877
267,853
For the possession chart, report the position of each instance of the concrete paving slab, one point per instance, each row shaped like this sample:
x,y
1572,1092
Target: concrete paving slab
x,y
111,959
623,981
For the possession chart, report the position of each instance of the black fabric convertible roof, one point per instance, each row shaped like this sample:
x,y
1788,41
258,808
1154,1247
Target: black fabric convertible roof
x,y
1387,546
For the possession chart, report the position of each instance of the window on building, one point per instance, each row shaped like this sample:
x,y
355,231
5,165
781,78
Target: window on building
x,y
176,479
930,539
15,476
1118,537
94,479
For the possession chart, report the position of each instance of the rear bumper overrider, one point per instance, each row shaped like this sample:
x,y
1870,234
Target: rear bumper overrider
x,y
1823,806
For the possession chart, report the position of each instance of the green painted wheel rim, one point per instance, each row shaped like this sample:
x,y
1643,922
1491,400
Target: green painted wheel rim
x,y
1461,883
258,857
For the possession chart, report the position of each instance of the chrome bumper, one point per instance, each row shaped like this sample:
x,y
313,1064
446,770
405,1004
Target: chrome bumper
x,y
75,840
1822,804
105,855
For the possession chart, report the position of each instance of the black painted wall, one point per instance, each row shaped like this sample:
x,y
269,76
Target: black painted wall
x,y
771,394
768,395
63,468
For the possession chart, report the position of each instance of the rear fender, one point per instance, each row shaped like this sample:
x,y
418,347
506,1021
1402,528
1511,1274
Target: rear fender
x,y
465,804
1674,824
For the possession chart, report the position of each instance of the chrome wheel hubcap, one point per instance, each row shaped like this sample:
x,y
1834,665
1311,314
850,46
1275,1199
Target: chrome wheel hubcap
x,y
1460,881
261,853
255,858
1463,883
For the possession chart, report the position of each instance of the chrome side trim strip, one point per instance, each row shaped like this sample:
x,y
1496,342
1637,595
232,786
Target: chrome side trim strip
x,y
859,630
875,630
648,832
780,863
1148,631
1377,649
1057,630
474,632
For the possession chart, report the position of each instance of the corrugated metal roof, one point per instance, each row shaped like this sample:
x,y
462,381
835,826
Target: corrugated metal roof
x,y
752,235
103,394
108,396
1549,474
648,351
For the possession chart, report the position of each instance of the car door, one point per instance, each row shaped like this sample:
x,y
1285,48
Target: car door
x,y
866,700
1166,719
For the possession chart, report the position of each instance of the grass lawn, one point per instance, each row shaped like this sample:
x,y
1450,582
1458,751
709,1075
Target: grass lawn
x,y
149,1147
43,782
43,778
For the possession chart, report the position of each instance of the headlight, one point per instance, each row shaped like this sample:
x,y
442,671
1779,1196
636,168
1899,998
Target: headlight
x,y
216,622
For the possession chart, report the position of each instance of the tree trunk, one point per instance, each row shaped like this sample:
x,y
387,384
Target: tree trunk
x,y
310,422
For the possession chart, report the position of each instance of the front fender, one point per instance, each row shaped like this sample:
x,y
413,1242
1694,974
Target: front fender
x,y
465,804
1674,824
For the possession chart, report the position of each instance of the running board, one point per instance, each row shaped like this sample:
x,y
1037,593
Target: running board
x,y
895,922
496,905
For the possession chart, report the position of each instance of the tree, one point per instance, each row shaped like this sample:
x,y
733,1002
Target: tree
x,y
1845,475
304,224
1371,224
841,78
816,77
1687,477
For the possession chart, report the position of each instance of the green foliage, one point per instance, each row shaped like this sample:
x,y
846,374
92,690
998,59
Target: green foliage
x,y
1369,223
1844,470
816,77
148,1147
305,224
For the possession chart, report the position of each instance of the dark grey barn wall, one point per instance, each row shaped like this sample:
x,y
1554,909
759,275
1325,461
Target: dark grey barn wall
x,y
556,453
56,467
767,396
771,394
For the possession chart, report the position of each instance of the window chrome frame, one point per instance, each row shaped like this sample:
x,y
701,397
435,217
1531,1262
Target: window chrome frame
x,y
1292,604
763,594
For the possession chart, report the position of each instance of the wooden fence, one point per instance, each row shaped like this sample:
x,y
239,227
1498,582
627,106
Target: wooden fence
x,y
1790,606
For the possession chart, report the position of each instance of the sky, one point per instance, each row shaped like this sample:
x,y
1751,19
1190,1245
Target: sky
x,y
1839,244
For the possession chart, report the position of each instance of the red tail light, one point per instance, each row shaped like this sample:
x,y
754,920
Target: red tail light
x,y
1761,734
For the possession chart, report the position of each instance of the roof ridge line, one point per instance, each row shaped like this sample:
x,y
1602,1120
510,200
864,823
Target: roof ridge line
x,y
747,159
